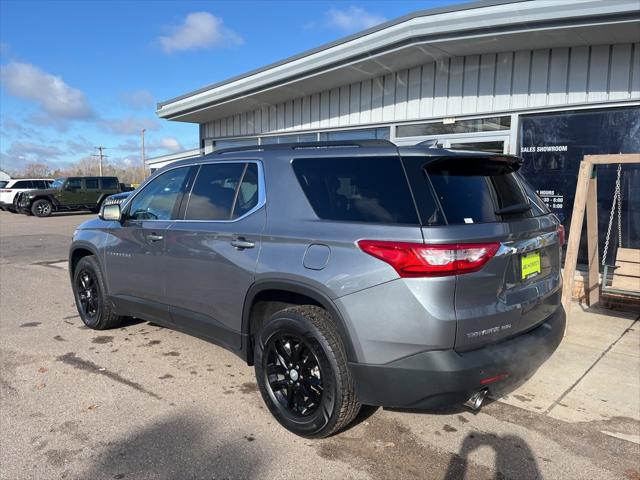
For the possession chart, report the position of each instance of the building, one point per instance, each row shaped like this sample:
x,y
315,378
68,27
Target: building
x,y
549,80
155,163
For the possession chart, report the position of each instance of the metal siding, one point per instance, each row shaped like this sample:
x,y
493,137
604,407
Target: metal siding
x,y
456,78
413,92
470,86
475,84
620,72
539,83
598,73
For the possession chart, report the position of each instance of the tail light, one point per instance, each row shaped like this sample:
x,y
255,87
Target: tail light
x,y
6,190
420,260
561,237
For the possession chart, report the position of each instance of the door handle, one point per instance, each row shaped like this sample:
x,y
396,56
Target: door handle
x,y
241,243
152,237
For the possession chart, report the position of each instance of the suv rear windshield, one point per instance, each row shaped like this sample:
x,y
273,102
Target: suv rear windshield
x,y
361,189
3,183
476,190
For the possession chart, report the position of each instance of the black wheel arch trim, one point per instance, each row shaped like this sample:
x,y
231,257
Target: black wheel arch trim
x,y
79,245
298,288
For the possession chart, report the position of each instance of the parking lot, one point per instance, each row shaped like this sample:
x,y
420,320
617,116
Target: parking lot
x,y
145,402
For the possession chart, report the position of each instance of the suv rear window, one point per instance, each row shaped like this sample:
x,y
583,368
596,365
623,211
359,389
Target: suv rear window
x,y
473,190
109,183
362,189
3,183
23,184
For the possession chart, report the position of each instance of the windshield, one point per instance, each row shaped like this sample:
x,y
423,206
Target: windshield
x,y
58,182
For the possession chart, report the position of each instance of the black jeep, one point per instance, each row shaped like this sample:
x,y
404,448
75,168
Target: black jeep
x,y
68,194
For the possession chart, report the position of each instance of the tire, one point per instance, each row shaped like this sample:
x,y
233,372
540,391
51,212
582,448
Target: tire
x,y
308,401
89,291
42,208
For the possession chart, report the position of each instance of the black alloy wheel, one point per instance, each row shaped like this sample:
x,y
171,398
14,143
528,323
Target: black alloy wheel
x,y
293,374
88,294
94,307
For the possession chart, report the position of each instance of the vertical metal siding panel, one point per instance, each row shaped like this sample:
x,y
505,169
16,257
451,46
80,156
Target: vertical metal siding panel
x,y
470,86
216,128
273,118
334,107
389,97
288,115
558,70
441,88
635,72
306,112
402,86
223,127
456,78
343,117
578,71
354,104
315,110
243,123
280,114
376,99
427,95
538,87
365,101
598,73
504,69
257,120
620,73
297,113
413,93
324,109
486,82
265,119
251,129
520,89
236,124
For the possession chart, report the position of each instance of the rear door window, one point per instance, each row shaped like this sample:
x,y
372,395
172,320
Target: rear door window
x,y
477,190
109,183
361,189
91,183
23,184
223,191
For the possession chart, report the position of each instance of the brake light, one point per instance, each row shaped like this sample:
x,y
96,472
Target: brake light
x,y
6,190
420,260
561,236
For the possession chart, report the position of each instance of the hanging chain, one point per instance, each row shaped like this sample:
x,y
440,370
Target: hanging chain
x,y
617,200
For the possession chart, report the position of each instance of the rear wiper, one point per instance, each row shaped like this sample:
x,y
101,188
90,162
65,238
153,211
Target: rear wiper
x,y
517,208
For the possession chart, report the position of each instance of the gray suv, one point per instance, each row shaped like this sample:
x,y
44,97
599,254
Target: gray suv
x,y
348,273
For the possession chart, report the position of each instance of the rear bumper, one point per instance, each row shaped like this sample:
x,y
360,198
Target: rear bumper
x,y
440,378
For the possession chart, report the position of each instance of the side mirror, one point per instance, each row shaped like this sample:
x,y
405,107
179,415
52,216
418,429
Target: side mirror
x,y
110,213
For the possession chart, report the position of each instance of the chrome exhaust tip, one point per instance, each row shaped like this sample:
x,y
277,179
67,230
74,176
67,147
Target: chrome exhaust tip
x,y
475,401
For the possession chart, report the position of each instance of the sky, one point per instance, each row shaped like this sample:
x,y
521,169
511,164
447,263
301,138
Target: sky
x,y
80,74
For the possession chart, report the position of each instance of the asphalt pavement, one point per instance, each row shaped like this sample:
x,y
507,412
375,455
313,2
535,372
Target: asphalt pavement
x,y
145,402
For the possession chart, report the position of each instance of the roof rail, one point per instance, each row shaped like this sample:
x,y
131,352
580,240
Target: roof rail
x,y
302,145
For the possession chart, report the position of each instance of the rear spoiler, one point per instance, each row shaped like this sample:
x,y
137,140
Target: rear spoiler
x,y
505,163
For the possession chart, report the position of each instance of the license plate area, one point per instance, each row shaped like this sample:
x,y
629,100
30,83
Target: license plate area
x,y
530,265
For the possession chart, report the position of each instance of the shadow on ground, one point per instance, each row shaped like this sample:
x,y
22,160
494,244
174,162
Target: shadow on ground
x,y
178,447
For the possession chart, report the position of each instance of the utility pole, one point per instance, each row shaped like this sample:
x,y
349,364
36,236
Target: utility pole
x,y
101,156
144,167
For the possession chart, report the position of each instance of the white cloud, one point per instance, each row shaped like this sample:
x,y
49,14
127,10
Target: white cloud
x,y
129,125
21,153
171,144
138,99
199,30
55,98
352,19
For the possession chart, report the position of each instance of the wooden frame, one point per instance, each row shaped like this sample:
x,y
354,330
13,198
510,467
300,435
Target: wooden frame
x,y
585,199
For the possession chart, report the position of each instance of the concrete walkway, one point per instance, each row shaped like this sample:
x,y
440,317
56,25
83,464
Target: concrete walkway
x,y
593,376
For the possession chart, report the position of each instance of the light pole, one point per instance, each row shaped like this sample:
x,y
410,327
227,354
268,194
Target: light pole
x,y
144,168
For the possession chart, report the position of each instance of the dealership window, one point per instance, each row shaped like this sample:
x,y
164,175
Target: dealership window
x,y
304,137
380,133
473,125
235,142
553,145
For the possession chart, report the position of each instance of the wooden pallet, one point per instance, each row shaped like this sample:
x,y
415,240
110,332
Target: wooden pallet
x,y
626,275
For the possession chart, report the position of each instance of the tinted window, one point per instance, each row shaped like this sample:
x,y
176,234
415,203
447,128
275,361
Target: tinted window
x,y
473,190
214,196
158,199
357,189
23,184
110,183
91,183
74,183
41,184
538,207
3,183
